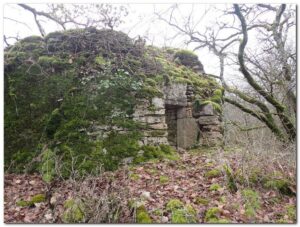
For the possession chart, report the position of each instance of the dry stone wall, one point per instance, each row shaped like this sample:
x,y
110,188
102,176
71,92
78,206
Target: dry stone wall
x,y
171,119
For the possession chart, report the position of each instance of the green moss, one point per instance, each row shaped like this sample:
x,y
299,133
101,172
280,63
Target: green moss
x,y
99,60
142,216
167,149
213,173
279,184
218,221
150,82
223,199
203,201
53,63
156,152
174,204
217,107
182,80
158,212
212,214
23,203
291,212
186,57
80,96
74,211
134,176
214,187
252,202
149,92
184,215
39,198
163,179
152,171
157,133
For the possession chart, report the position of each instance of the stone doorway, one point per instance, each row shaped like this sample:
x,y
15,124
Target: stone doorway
x,y
183,130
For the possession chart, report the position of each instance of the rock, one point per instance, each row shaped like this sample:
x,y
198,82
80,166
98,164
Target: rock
x,y
181,150
49,216
207,110
208,120
164,219
158,103
158,126
152,119
53,200
175,94
146,195
18,181
32,182
127,161
140,153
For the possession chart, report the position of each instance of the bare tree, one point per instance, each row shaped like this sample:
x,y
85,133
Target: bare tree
x,y
68,16
269,69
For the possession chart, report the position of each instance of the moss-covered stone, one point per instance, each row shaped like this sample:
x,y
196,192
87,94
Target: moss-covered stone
x,y
83,68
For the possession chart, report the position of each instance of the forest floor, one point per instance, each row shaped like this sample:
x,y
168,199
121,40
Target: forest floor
x,y
192,189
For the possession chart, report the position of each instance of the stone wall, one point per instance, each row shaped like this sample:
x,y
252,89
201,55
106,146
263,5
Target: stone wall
x,y
210,125
152,114
171,120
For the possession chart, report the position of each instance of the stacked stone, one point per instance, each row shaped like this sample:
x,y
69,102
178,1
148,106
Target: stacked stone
x,y
152,115
189,94
209,122
98,132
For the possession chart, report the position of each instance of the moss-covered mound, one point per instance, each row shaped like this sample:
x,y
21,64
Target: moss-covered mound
x,y
58,87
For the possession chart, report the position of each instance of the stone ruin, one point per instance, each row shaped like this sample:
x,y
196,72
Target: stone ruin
x,y
172,120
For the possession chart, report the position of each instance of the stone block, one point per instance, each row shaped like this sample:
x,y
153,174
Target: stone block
x,y
187,131
152,119
158,126
175,94
155,133
158,103
140,112
208,120
184,113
